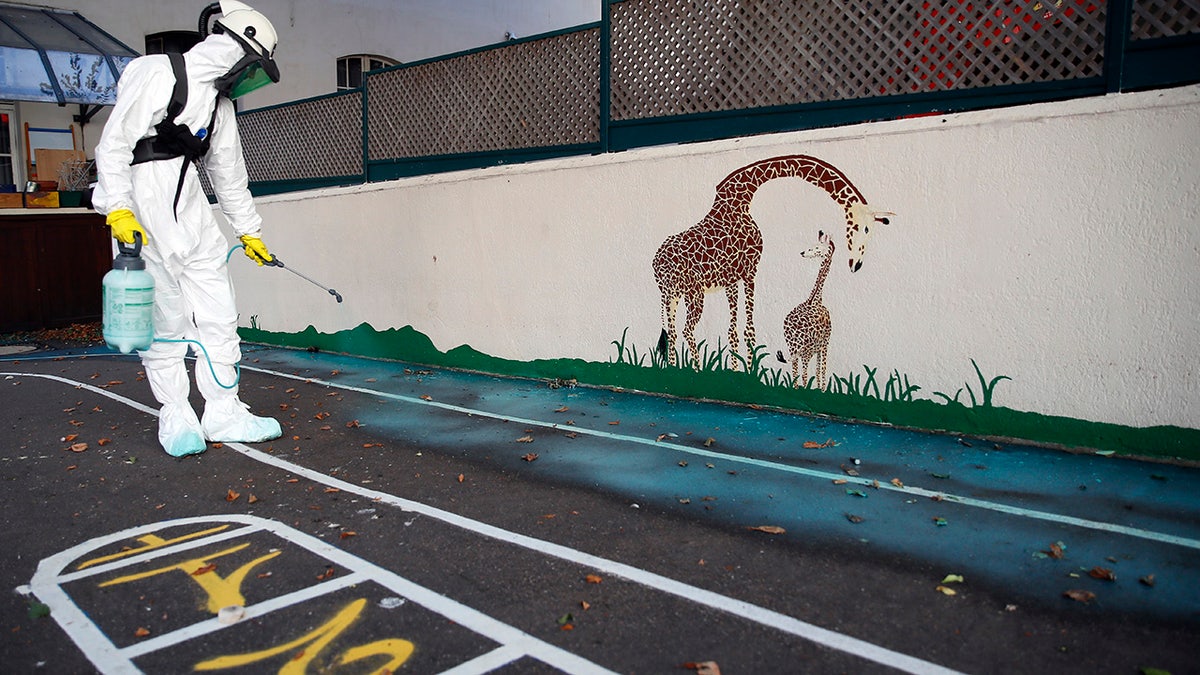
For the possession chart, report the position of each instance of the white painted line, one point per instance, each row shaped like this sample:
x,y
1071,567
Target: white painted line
x,y
760,615
212,625
486,663
775,466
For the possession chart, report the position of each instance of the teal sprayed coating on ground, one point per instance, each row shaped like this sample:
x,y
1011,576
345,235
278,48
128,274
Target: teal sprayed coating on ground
x,y
991,422
991,513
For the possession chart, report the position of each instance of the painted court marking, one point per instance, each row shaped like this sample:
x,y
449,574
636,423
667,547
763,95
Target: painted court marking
x,y
745,610
108,658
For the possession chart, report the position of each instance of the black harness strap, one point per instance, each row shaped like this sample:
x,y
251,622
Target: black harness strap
x,y
171,140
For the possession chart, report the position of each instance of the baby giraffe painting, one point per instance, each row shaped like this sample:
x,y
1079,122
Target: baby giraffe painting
x,y
807,327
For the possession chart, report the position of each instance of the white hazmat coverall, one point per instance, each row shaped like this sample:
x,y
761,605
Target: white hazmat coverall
x,y
186,251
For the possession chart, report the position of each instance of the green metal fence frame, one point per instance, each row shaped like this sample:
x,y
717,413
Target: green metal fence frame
x,y
1129,65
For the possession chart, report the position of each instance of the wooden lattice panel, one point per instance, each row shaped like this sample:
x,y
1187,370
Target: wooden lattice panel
x,y
1164,18
679,57
311,139
541,93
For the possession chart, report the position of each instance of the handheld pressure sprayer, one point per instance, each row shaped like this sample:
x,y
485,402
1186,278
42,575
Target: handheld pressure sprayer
x,y
128,307
128,303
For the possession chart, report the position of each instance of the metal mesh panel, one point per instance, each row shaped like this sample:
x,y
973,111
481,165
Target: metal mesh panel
x,y
678,57
1164,18
310,139
536,94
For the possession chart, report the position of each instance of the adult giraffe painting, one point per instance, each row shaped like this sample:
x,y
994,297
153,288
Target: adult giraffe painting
x,y
724,248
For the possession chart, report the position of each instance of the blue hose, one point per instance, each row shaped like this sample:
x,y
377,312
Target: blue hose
x,y
237,368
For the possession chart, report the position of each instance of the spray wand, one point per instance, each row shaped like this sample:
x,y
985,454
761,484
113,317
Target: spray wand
x,y
276,262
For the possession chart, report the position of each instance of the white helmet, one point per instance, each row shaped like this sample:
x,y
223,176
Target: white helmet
x,y
257,36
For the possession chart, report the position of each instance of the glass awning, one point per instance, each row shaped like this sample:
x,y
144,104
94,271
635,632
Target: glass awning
x,y
57,56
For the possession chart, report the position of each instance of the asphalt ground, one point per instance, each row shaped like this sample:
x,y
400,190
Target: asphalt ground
x,y
434,521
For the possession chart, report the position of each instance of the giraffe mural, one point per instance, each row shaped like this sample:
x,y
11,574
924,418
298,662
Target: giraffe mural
x,y
807,327
724,248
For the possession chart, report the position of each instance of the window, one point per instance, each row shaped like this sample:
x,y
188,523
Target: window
x,y
350,69
7,145
177,41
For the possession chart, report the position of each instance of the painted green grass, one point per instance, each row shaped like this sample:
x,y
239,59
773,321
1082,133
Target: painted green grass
x,y
854,396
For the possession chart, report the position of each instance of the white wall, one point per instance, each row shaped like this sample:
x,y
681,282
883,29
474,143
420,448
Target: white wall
x,y
1057,244
312,35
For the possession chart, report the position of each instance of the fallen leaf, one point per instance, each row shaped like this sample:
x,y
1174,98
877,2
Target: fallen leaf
x,y
571,434
1147,580
205,569
68,439
426,397
78,447
353,424
232,496
326,428
585,605
942,476
1102,573
952,579
461,477
561,409
683,462
331,490
320,416
855,493
75,423
769,529
525,439
946,591
103,442
327,574
897,482
1079,595
372,445
141,632
854,519
708,442
704,667
347,533
812,445
529,457
592,579
1057,550
252,499
840,481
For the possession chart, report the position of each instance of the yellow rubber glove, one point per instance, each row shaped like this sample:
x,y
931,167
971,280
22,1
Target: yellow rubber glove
x,y
256,250
123,225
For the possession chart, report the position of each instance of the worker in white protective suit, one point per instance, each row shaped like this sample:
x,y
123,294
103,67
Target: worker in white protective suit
x,y
148,188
